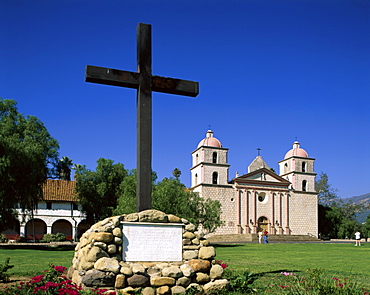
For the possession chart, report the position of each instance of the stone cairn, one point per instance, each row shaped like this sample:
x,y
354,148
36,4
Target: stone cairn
x,y
97,262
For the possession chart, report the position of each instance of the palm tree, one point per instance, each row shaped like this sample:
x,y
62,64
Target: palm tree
x,y
64,168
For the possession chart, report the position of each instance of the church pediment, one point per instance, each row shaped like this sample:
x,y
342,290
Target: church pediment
x,y
261,176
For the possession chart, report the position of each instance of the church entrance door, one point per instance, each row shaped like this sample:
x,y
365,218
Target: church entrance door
x,y
263,223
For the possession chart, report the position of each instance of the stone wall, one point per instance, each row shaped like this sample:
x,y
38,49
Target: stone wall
x,y
97,261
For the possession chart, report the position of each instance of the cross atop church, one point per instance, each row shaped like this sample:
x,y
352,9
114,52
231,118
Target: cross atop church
x,y
145,83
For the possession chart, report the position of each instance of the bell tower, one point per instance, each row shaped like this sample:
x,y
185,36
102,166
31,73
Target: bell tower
x,y
209,162
298,168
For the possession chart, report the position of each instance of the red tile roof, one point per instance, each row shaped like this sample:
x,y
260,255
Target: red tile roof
x,y
59,190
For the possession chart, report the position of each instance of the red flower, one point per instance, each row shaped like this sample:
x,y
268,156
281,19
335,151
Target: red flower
x,y
37,279
60,268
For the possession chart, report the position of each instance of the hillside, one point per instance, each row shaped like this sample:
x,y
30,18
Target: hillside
x,y
363,199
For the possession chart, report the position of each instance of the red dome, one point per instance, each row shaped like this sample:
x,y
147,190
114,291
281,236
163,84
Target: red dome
x,y
296,151
210,140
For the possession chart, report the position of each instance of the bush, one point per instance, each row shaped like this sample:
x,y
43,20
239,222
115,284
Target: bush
x,y
314,282
22,239
3,238
3,269
52,282
59,237
241,282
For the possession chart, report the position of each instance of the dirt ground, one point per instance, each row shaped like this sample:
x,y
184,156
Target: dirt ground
x,y
13,280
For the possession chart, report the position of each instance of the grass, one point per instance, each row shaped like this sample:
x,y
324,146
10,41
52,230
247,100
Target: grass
x,y
341,260
269,260
29,262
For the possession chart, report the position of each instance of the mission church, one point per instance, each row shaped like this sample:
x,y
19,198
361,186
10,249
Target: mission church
x,y
284,203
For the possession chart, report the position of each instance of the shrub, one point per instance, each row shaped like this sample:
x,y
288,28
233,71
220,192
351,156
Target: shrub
x,y
59,237
52,282
3,269
22,239
3,238
314,282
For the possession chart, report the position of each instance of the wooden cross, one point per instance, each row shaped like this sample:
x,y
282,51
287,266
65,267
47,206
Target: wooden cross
x,y
145,83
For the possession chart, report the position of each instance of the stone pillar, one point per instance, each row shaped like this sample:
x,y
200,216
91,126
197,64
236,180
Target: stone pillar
x,y
239,228
278,210
287,230
22,229
247,215
238,211
255,224
251,217
48,229
272,219
247,229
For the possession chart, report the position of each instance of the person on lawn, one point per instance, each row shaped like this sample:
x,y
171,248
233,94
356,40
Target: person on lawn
x,y
265,237
358,238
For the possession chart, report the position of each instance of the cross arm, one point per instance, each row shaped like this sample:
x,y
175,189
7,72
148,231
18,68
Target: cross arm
x,y
112,77
128,79
175,86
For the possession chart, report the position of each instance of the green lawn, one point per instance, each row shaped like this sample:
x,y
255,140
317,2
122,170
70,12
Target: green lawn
x,y
344,260
33,262
341,260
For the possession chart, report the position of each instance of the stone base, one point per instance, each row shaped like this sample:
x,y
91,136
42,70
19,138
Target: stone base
x,y
97,262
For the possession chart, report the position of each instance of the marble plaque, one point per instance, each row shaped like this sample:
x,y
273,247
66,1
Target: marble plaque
x,y
151,242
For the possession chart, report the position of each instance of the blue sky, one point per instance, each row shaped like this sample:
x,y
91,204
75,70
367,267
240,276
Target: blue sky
x,y
269,72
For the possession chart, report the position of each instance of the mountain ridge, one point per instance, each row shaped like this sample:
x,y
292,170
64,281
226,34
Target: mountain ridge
x,y
362,200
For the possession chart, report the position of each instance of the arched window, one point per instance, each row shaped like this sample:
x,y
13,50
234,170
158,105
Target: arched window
x,y
214,157
286,168
196,178
196,159
214,178
303,166
304,185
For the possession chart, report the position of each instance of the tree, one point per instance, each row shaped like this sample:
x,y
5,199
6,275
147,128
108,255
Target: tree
x,y
172,197
365,228
28,156
64,168
126,202
176,173
98,191
337,219
326,194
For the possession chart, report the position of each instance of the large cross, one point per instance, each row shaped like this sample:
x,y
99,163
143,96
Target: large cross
x,y
145,83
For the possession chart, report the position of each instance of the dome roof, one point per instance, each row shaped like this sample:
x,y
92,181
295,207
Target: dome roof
x,y
210,140
296,151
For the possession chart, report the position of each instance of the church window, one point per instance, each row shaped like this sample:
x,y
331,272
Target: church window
x,y
286,168
196,159
214,178
303,166
304,185
196,178
262,197
214,157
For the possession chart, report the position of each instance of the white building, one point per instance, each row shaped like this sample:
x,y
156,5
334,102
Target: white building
x,y
57,213
261,199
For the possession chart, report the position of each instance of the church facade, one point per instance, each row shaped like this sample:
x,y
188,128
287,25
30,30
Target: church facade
x,y
284,203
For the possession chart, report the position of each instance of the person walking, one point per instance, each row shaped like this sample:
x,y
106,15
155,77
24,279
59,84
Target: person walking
x,y
358,238
260,237
265,237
